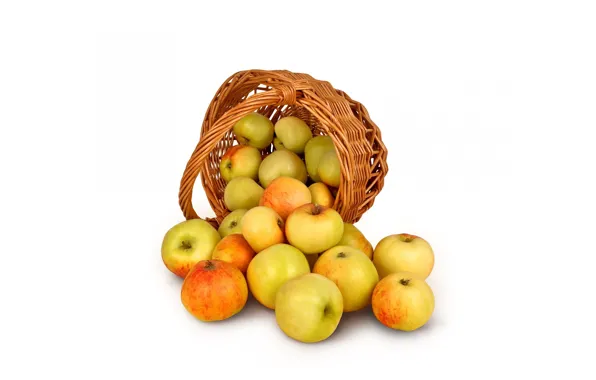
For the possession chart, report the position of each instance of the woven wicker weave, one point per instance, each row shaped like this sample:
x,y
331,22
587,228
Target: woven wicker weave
x,y
278,93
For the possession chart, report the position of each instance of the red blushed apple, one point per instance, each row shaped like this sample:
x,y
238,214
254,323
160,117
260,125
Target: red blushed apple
x,y
214,290
284,195
403,301
235,250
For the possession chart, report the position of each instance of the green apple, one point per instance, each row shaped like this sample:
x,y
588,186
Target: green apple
x,y
313,151
352,271
293,133
329,170
231,224
242,193
277,144
355,238
282,163
313,228
271,268
255,130
308,308
187,243
240,161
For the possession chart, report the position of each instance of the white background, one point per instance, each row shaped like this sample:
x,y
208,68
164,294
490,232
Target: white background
x,y
487,109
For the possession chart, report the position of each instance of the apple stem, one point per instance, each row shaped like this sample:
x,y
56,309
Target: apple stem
x,y
404,281
209,265
316,210
341,255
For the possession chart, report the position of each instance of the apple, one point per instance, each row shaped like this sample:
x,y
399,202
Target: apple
x,y
354,238
329,170
403,301
214,290
240,161
271,268
284,194
235,250
308,308
282,163
404,253
314,228
277,144
293,133
187,243
321,194
242,193
352,271
313,151
231,224
262,227
255,130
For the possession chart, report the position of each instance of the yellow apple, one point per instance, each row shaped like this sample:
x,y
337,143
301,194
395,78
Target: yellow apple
x,y
329,170
240,161
403,301
404,253
271,268
313,151
281,163
321,195
293,133
308,308
284,194
314,228
242,193
262,227
187,243
354,238
255,130
352,271
231,224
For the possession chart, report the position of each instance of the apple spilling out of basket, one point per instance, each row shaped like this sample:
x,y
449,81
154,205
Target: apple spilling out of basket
x,y
283,242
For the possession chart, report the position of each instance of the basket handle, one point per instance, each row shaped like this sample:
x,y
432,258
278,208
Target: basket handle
x,y
280,94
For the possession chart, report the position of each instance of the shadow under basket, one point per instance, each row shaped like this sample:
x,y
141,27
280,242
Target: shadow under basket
x,y
275,94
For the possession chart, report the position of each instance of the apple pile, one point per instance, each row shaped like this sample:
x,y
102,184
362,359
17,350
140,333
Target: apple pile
x,y
283,242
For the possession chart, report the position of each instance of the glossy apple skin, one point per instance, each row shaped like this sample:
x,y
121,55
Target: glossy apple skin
x,y
403,301
308,308
214,290
284,195
329,169
262,227
281,163
240,161
232,223
235,250
242,193
255,130
355,238
271,268
320,194
187,243
293,133
313,151
314,228
352,271
404,253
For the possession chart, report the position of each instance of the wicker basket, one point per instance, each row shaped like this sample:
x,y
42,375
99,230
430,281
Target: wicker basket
x,y
278,93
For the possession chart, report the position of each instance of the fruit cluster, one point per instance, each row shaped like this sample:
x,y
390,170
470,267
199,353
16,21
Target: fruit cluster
x,y
285,243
